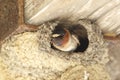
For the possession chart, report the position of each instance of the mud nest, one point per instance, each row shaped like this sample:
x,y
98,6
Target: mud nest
x,y
29,56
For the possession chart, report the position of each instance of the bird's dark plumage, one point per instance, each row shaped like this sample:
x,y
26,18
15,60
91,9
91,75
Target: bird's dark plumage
x,y
82,35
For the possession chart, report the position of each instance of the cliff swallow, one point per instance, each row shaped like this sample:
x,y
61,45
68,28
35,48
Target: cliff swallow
x,y
70,38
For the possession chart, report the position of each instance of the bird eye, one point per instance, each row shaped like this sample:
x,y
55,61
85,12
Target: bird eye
x,y
62,35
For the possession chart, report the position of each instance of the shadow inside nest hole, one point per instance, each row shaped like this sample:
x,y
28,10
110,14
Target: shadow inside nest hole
x,y
68,37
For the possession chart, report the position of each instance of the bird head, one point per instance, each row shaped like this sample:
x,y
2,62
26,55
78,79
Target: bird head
x,y
60,37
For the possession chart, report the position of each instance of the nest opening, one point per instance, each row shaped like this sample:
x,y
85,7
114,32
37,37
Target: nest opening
x,y
77,32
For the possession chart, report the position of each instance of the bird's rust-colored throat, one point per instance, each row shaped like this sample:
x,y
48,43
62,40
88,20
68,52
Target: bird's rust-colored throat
x,y
66,37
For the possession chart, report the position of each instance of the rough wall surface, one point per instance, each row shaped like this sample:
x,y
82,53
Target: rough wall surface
x,y
106,13
8,17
